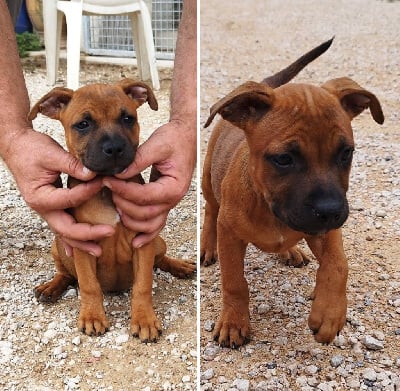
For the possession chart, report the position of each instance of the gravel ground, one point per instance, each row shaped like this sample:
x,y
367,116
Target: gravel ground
x,y
40,346
248,40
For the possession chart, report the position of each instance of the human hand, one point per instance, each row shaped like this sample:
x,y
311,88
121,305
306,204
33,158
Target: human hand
x,y
36,161
144,208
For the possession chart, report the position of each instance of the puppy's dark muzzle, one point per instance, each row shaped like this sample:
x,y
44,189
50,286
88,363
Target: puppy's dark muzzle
x,y
317,214
110,155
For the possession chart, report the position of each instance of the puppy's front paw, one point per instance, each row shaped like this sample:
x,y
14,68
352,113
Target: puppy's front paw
x,y
327,317
232,329
145,325
295,257
93,321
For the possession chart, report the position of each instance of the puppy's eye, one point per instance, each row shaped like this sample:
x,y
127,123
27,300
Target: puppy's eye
x,y
284,160
346,156
82,125
128,120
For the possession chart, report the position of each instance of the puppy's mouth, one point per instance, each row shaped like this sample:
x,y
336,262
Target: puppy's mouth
x,y
310,222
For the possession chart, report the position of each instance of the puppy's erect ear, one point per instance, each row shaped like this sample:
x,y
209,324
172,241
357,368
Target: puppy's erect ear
x,y
355,99
51,104
140,92
248,102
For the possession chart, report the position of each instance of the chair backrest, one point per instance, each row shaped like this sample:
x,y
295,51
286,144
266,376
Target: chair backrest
x,y
104,7
109,3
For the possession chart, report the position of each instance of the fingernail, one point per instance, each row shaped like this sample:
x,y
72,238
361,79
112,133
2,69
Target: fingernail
x,y
68,251
92,254
137,245
86,171
106,183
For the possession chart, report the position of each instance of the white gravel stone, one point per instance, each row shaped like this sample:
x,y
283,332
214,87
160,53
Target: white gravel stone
x,y
372,343
369,374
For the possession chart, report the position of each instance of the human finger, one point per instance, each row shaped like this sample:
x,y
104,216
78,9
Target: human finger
x,y
151,226
145,156
89,247
164,190
50,197
65,225
70,165
138,212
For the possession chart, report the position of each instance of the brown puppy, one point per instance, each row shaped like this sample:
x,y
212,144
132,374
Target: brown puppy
x,y
102,130
277,171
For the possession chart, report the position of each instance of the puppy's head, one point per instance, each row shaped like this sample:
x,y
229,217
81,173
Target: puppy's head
x,y
100,121
300,146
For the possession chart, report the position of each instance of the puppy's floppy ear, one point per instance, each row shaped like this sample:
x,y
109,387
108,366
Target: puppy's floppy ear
x,y
51,104
139,91
355,99
248,102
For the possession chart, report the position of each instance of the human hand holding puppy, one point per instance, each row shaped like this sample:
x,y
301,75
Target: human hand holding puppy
x,y
171,150
35,159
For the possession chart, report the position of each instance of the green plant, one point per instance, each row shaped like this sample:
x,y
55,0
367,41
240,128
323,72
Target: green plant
x,y
28,42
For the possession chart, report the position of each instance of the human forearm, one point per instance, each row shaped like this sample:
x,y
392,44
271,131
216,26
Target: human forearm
x,y
184,82
13,93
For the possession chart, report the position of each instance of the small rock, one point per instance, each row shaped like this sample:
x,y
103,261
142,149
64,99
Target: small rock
x,y
210,352
50,334
122,338
340,341
311,369
209,325
336,360
70,293
171,338
186,379
77,340
207,374
372,343
241,384
379,335
381,213
353,383
263,308
369,374
96,353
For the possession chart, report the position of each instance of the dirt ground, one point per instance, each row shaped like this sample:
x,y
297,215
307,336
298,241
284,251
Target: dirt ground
x,y
249,40
40,346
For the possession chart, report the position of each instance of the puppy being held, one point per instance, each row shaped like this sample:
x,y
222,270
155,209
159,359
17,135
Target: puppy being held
x,y
277,171
102,131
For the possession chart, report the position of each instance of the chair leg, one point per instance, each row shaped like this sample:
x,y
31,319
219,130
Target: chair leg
x,y
73,14
52,21
144,45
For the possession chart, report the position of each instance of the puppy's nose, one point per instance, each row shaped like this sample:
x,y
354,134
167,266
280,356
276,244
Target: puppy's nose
x,y
329,211
113,147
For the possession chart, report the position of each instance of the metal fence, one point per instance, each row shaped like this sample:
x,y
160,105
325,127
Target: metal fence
x,y
112,35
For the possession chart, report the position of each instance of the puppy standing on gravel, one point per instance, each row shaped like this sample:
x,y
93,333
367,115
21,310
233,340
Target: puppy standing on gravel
x,y
277,171
102,130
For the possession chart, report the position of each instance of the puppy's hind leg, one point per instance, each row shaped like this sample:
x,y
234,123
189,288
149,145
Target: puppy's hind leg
x,y
53,289
208,241
177,267
294,257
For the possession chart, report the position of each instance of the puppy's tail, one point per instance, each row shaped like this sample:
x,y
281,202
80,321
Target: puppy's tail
x,y
287,74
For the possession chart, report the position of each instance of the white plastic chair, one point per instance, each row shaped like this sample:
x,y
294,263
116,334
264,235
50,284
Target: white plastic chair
x,y
141,31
